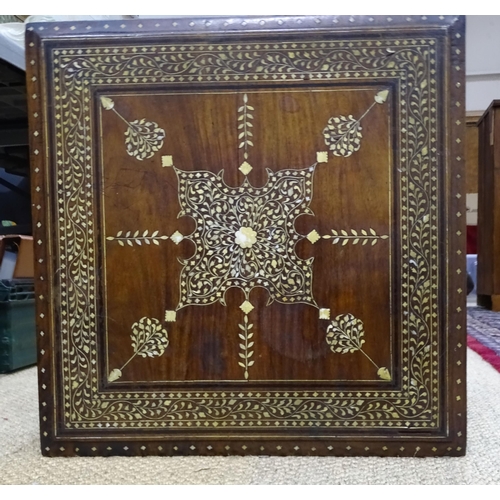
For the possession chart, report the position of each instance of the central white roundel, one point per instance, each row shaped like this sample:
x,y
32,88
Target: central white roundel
x,y
245,237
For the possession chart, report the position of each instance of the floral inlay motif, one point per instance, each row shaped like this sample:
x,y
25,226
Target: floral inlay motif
x,y
345,335
149,339
245,237
143,138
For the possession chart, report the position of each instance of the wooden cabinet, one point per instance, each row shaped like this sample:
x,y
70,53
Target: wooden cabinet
x,y
471,152
250,235
471,179
488,241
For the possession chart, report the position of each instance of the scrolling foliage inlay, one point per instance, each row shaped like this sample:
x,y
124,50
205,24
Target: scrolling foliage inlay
x,y
413,67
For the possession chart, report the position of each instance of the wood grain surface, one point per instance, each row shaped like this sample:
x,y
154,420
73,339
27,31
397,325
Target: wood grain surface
x,y
472,153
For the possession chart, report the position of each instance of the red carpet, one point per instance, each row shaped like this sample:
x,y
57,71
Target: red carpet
x,y
485,352
483,328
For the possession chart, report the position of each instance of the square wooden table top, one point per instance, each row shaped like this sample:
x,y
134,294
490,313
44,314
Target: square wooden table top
x,y
250,235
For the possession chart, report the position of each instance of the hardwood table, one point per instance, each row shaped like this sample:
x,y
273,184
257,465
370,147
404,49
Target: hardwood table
x,y
250,235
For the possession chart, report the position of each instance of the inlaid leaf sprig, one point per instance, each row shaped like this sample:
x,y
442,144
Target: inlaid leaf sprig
x,y
343,133
129,238
245,345
143,138
149,339
355,237
244,132
345,335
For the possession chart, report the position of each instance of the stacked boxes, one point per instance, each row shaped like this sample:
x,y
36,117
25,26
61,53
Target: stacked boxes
x,y
17,324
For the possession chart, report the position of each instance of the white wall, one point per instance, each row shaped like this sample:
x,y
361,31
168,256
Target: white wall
x,y
482,61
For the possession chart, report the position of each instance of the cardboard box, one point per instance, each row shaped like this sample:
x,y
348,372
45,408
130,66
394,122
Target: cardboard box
x,y
17,248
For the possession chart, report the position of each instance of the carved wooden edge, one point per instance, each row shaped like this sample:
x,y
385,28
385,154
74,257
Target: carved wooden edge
x,y
38,132
451,440
217,447
457,279
231,24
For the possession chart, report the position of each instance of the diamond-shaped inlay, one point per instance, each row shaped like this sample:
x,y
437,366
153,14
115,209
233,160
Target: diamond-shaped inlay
x,y
324,314
313,236
177,237
246,307
167,161
322,156
170,316
245,168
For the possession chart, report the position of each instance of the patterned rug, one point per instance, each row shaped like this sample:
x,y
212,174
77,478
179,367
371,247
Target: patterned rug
x,y
483,329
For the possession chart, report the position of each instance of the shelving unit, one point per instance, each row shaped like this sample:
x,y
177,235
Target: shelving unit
x,y
17,302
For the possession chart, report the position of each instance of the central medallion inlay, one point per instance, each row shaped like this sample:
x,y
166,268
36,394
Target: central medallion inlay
x,y
245,237
227,251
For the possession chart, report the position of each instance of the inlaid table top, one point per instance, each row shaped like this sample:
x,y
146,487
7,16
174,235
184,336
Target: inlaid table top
x,y
250,235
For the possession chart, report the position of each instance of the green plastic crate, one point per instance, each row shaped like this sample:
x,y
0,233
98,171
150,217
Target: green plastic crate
x,y
17,324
